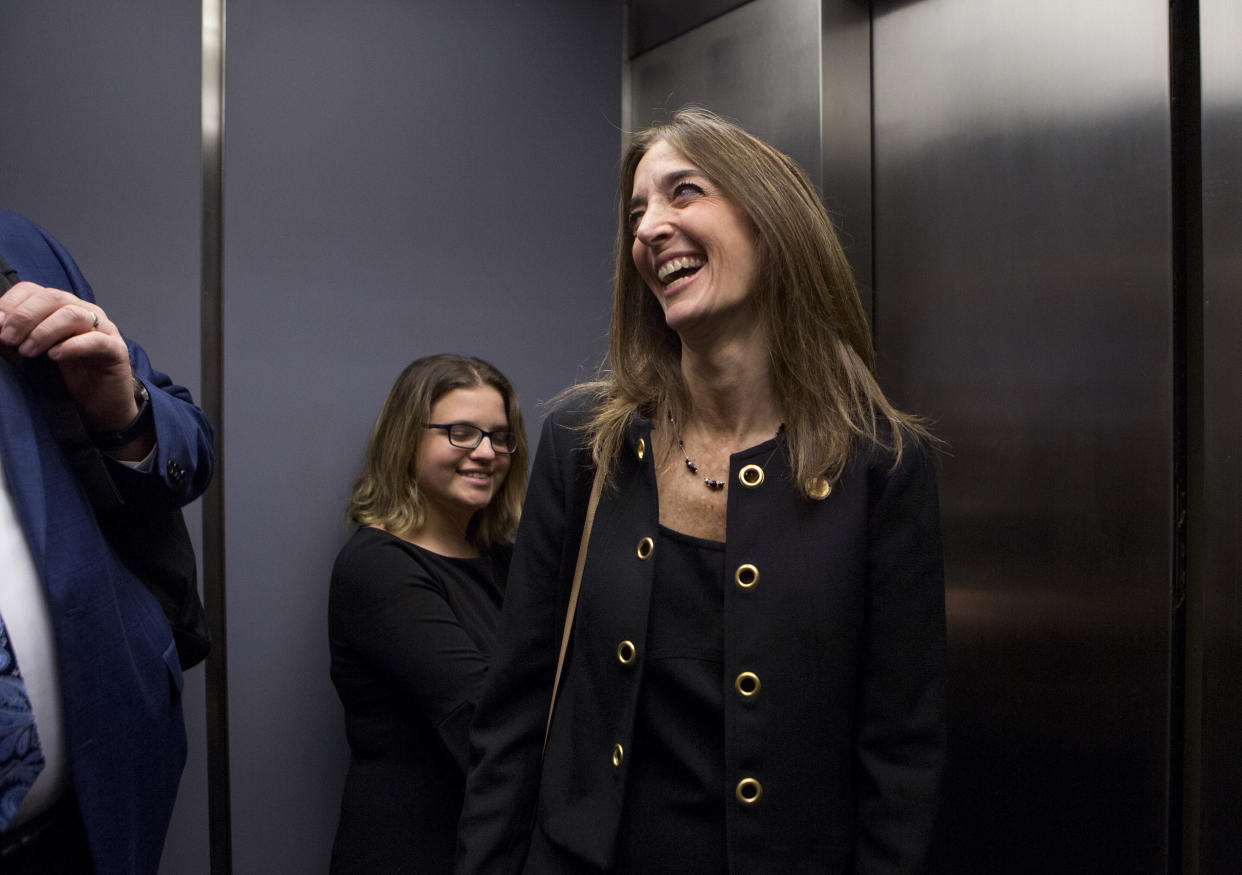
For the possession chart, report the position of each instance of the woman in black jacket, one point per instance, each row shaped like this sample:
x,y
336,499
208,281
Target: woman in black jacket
x,y
415,599
755,679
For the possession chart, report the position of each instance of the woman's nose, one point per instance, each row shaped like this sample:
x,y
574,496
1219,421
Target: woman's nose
x,y
653,226
484,450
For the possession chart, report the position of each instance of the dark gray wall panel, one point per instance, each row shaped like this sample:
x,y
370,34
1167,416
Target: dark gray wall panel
x,y
1023,301
400,179
1220,841
101,147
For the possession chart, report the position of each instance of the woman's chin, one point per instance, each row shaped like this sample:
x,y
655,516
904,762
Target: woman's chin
x,y
680,317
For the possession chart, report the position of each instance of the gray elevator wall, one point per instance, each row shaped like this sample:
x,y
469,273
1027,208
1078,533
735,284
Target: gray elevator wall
x,y
400,179
99,103
1024,301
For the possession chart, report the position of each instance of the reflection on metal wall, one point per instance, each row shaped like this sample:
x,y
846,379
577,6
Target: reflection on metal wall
x,y
1023,298
845,130
1220,821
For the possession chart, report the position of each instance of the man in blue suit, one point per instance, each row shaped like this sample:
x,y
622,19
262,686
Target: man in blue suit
x,y
91,644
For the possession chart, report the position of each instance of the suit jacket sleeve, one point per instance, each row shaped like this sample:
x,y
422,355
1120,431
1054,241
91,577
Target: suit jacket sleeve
x,y
901,710
184,458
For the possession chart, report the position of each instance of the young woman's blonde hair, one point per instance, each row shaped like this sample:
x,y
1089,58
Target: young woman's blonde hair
x,y
822,357
386,493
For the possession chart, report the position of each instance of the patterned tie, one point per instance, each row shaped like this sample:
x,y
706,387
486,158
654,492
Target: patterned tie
x,y
21,760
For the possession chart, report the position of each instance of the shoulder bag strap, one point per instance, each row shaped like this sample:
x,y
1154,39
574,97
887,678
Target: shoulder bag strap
x,y
574,589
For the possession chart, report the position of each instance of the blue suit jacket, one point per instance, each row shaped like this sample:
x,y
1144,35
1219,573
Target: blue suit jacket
x,y
119,674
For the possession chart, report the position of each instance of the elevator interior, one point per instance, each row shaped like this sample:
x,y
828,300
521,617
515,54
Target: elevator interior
x,y
1042,202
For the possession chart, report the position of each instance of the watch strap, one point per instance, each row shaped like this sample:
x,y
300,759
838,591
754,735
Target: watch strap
x,y
114,440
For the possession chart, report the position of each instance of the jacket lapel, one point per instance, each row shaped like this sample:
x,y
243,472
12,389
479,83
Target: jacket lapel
x,y
20,455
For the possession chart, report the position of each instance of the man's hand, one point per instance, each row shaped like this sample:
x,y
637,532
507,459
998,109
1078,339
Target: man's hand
x,y
84,343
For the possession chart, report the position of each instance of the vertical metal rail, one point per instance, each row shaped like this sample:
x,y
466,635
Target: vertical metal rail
x,y
1186,651
218,788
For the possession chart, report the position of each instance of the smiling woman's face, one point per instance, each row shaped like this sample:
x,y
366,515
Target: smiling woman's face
x,y
456,483
692,246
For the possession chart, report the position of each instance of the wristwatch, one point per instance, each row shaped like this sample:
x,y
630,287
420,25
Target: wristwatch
x,y
114,440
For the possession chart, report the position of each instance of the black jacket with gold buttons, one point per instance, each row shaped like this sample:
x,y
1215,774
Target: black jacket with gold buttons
x,y
833,664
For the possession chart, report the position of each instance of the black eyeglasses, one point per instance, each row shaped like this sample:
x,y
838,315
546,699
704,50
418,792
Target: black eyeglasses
x,y
465,436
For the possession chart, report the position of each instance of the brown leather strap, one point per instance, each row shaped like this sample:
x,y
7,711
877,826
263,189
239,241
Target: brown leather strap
x,y
596,487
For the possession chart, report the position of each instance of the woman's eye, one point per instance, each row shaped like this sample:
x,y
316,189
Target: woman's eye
x,y
635,217
683,189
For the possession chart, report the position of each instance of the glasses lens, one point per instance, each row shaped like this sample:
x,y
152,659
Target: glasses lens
x,y
465,436
504,441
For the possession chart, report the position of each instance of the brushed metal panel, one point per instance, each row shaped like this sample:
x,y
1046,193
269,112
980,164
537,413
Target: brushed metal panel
x,y
758,64
1023,296
1220,839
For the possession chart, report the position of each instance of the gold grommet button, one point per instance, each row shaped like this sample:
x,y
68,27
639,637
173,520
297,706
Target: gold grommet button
x,y
641,450
626,652
746,576
645,546
748,791
747,684
750,476
818,488
618,755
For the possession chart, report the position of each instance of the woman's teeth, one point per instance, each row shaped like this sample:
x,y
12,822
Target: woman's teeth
x,y
675,269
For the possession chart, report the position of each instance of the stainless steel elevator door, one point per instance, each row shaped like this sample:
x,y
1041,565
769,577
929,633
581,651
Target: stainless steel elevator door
x,y
1023,301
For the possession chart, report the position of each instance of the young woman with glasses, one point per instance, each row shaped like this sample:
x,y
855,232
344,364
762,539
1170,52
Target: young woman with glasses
x,y
414,603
